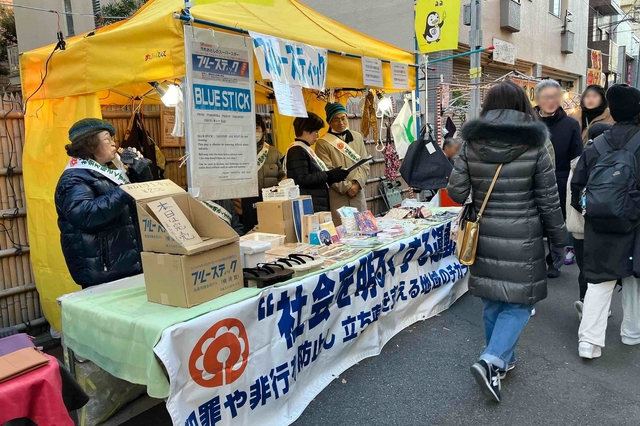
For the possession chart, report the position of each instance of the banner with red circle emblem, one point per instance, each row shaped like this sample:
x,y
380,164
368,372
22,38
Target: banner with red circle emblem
x,y
263,360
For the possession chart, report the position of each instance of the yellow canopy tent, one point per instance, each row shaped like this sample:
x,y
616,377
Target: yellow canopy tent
x,y
115,63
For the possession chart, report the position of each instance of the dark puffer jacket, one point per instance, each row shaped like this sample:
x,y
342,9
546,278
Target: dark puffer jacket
x,y
607,257
98,228
510,261
309,177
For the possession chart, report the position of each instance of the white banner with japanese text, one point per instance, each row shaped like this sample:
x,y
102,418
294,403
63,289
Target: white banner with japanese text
x,y
263,360
290,62
221,122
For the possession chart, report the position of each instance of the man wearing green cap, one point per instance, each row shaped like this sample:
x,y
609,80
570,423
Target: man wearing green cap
x,y
342,147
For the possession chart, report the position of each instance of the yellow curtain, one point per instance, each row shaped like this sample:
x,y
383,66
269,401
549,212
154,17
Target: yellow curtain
x,y
47,125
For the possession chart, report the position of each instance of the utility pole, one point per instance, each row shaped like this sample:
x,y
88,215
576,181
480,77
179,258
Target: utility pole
x,y
475,43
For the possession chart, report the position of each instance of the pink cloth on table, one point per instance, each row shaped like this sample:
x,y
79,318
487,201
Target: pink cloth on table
x,y
36,395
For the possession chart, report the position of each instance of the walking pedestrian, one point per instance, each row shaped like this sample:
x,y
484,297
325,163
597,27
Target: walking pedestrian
x,y
594,109
575,220
566,138
607,173
507,145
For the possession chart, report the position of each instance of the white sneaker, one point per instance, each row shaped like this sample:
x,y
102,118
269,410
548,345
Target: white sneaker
x,y
533,312
589,351
579,307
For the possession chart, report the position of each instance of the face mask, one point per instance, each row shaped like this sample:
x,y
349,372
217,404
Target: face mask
x,y
258,137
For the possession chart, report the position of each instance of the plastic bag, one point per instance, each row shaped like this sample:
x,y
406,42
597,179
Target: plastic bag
x,y
108,393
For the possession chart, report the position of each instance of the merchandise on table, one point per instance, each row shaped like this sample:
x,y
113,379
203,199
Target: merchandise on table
x,y
366,222
190,254
253,252
283,217
285,190
301,264
276,240
265,275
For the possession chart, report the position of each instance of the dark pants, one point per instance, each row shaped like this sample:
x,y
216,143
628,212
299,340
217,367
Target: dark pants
x,y
578,246
562,194
249,213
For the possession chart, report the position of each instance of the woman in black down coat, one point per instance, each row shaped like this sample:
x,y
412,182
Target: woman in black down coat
x,y
509,272
306,169
97,219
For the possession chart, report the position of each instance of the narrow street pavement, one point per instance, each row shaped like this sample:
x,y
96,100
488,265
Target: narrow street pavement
x,y
422,376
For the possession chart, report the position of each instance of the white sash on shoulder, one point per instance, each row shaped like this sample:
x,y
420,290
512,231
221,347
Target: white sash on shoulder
x,y
116,176
342,146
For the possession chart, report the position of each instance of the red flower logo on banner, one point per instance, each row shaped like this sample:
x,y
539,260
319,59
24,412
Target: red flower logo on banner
x,y
73,162
340,145
220,356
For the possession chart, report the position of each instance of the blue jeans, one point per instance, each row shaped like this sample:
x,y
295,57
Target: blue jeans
x,y
503,323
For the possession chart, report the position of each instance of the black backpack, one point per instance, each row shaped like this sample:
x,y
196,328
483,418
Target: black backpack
x,y
611,197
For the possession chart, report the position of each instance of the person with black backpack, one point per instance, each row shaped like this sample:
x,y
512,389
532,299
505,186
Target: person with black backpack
x,y
606,188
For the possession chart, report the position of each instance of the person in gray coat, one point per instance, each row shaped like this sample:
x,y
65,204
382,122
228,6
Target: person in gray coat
x,y
509,272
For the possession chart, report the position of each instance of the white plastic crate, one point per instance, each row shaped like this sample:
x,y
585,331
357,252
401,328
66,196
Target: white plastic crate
x,y
275,239
279,193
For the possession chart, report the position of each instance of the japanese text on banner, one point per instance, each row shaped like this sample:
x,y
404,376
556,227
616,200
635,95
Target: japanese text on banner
x,y
263,360
290,62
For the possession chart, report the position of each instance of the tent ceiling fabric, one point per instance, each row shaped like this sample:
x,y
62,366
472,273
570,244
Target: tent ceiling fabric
x,y
155,48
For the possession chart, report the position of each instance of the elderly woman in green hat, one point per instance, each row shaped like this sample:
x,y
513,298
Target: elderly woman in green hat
x,y
98,223
342,147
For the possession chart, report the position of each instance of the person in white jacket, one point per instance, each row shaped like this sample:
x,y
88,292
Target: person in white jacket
x,y
575,220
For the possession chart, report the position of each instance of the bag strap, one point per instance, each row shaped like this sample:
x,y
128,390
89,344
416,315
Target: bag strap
x,y
486,198
634,143
602,145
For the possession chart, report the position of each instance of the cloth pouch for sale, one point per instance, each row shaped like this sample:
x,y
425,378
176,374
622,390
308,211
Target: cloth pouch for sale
x,y
20,362
15,343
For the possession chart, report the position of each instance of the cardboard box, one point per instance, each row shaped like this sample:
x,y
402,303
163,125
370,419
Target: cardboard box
x,y
277,217
212,230
189,280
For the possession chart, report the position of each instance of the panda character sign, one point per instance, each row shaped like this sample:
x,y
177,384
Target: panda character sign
x,y
433,28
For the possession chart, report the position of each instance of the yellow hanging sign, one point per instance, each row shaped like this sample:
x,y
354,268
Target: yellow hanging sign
x,y
437,24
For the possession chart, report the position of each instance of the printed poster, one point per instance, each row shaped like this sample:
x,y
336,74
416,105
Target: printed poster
x,y
372,72
290,100
221,123
436,25
290,62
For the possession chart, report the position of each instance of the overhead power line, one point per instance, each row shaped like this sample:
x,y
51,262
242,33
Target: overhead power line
x,y
61,13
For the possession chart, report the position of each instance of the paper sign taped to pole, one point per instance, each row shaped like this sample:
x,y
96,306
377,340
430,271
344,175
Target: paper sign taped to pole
x,y
221,120
290,100
437,24
372,72
290,62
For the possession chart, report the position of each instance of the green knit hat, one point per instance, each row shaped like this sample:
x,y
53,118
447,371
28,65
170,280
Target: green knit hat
x,y
89,127
334,108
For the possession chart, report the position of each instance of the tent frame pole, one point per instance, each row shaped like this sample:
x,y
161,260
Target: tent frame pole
x,y
191,19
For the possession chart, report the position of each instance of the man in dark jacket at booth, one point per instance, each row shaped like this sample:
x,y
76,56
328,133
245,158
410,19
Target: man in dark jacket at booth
x,y
609,257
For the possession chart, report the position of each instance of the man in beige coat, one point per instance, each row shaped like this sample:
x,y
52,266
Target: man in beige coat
x,y
342,147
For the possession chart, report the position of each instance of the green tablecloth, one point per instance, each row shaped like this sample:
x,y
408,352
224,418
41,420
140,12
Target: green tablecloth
x,y
117,328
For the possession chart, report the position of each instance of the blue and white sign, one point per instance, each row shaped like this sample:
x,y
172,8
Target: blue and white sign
x,y
221,121
290,62
263,360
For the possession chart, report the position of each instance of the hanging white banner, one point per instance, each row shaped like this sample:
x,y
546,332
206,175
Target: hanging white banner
x,y
290,62
221,123
263,360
